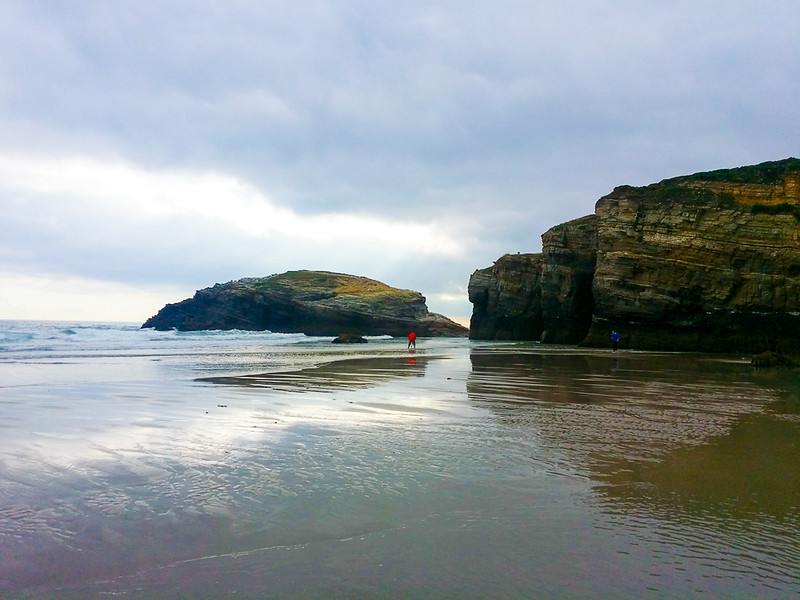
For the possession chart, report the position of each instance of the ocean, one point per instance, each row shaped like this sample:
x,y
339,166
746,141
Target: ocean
x,y
145,464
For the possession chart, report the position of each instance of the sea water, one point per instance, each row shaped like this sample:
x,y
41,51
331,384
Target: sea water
x,y
150,464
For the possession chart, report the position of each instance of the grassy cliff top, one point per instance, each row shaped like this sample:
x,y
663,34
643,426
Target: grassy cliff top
x,y
766,173
339,284
711,188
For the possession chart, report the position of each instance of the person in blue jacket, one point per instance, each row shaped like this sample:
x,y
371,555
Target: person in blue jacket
x,y
614,340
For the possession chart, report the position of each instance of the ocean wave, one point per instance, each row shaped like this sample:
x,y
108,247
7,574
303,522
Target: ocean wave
x,y
50,336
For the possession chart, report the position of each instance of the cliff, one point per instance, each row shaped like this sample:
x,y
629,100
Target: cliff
x,y
545,296
568,262
507,299
310,302
707,262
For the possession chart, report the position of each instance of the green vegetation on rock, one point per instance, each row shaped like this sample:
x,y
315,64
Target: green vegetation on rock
x,y
766,173
311,302
777,209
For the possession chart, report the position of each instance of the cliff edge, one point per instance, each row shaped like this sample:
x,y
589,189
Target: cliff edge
x,y
706,262
310,302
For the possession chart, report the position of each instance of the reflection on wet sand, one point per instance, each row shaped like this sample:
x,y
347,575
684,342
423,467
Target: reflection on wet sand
x,y
732,501
486,470
691,456
751,471
349,373
609,413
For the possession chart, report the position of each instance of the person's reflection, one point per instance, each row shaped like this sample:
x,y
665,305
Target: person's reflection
x,y
614,366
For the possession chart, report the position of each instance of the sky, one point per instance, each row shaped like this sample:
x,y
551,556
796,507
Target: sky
x,y
152,148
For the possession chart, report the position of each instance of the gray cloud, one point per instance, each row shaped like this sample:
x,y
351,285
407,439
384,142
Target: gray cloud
x,y
492,121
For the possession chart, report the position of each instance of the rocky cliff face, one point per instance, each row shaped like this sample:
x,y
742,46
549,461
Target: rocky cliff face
x,y
545,296
310,302
707,262
507,299
568,261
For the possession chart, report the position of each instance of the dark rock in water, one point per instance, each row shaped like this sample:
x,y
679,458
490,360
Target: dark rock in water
x,y
349,338
772,359
310,302
706,262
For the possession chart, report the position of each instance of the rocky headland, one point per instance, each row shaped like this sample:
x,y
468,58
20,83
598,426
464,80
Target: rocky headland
x,y
707,262
310,302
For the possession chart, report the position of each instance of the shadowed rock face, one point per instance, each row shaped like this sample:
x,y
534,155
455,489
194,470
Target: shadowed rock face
x,y
507,299
310,302
568,261
545,296
707,262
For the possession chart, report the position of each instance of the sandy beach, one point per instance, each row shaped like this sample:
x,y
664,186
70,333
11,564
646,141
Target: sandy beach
x,y
461,470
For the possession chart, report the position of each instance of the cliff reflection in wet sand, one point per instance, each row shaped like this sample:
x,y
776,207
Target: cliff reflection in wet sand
x,y
749,472
347,374
694,424
692,456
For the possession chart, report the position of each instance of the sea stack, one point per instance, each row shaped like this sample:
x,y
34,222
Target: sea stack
x,y
311,302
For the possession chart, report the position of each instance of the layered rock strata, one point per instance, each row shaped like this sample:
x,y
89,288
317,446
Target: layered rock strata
x,y
545,296
311,302
507,299
707,262
569,253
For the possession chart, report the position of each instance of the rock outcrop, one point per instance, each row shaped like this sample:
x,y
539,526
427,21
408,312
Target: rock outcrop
x,y
350,338
507,299
568,261
707,262
545,296
310,302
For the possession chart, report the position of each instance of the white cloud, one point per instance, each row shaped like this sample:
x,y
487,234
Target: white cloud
x,y
132,192
99,224
67,298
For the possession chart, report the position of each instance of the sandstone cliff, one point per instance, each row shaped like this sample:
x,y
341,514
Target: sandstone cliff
x,y
310,302
706,262
545,296
507,299
568,261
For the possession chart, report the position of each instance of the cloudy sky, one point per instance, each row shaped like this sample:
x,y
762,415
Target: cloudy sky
x,y
152,148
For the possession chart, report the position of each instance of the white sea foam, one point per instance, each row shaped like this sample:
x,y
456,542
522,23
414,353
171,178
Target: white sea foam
x,y
57,351
33,336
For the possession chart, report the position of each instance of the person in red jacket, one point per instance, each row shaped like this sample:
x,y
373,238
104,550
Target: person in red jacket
x,y
412,340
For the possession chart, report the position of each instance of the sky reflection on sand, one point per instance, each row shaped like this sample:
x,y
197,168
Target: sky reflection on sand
x,y
469,471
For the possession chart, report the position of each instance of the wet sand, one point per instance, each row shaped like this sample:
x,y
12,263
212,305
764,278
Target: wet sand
x,y
471,470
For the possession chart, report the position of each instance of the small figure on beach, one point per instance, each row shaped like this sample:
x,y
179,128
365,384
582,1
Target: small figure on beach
x,y
412,340
614,340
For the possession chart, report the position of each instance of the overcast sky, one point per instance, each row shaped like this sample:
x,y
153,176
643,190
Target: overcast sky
x,y
152,148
